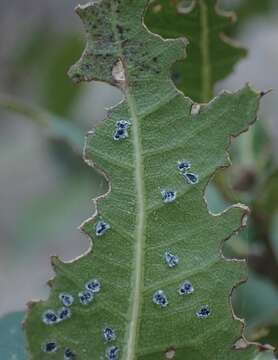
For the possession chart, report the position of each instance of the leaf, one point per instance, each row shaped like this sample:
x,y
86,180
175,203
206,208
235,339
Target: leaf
x,y
12,342
58,93
56,127
212,55
249,9
136,226
45,54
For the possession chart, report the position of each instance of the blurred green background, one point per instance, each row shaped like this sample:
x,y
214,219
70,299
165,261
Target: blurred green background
x,y
45,187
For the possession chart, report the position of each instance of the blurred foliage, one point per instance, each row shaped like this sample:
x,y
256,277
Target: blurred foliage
x,y
12,342
47,57
55,127
60,208
253,181
267,355
211,55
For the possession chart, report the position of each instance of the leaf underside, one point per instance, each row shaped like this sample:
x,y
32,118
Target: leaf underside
x,y
212,55
128,259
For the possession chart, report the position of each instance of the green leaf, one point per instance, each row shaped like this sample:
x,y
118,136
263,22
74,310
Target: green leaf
x,y
58,92
249,9
12,342
128,259
212,55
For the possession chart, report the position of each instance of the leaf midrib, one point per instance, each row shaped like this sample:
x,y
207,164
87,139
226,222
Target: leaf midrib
x,y
140,234
137,281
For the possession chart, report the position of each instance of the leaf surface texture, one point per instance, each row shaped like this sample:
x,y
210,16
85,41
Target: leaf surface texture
x,y
164,128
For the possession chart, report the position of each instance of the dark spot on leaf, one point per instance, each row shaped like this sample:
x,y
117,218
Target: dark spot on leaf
x,y
171,260
86,297
49,317
93,285
112,353
186,288
204,312
101,228
64,313
69,354
66,299
50,347
159,298
109,334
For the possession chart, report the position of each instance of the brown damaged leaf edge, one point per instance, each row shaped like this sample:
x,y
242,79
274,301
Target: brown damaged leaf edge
x,y
242,341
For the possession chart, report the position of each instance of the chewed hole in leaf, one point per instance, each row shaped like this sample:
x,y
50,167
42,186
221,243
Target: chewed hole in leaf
x,y
50,347
112,353
109,334
171,259
204,312
49,317
168,196
159,298
186,288
86,297
66,299
93,286
101,228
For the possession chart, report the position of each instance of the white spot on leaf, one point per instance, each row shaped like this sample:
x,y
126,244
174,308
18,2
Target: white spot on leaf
x,y
186,6
195,109
157,8
240,344
170,354
118,71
